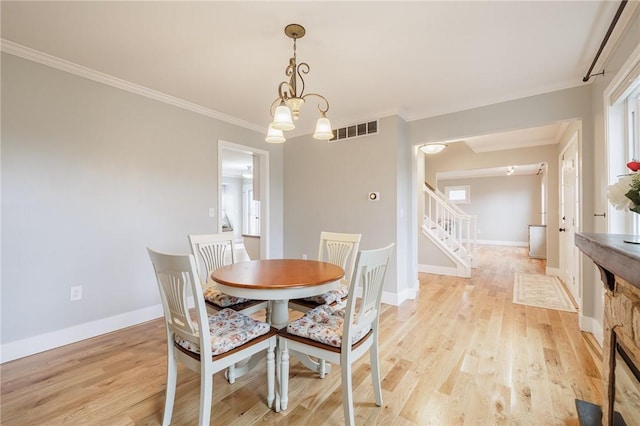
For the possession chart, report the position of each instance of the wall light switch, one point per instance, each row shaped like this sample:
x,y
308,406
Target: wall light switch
x,y
212,212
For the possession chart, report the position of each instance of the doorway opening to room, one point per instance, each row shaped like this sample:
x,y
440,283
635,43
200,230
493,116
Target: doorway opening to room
x,y
513,191
243,196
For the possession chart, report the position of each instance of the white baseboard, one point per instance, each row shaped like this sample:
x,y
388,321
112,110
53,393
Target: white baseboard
x,y
552,271
439,270
44,342
591,325
396,299
503,243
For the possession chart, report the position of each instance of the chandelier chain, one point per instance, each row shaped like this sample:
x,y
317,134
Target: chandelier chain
x,y
294,47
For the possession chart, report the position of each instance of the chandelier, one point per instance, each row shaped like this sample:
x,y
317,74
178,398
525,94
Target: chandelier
x,y
291,97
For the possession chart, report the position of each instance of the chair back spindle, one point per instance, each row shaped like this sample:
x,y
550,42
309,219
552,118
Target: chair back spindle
x,y
340,249
214,250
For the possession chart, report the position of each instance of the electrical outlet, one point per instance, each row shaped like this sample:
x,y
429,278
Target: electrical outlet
x,y
75,293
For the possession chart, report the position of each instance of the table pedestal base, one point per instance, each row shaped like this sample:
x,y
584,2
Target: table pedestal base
x,y
279,313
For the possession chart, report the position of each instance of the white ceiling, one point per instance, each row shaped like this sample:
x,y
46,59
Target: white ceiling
x,y
518,170
522,138
234,162
549,134
370,59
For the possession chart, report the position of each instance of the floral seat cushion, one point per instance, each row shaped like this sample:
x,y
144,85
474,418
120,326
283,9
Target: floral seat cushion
x,y
330,296
215,296
323,324
229,329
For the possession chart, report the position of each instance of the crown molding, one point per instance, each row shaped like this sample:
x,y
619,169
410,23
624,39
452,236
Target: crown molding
x,y
37,56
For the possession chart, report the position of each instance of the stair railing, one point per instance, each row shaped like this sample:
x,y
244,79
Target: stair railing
x,y
448,217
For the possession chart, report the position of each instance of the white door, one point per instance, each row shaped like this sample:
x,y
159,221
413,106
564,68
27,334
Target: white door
x,y
250,212
569,208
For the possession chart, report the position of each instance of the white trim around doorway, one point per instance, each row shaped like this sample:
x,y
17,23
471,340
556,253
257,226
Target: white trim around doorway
x,y
264,189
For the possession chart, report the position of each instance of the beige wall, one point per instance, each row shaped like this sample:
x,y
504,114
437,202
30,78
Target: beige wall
x,y
430,255
504,206
91,176
326,189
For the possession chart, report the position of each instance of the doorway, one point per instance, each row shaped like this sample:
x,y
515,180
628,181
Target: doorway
x,y
243,195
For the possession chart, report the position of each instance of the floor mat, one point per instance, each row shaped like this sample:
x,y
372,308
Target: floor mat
x,y
542,291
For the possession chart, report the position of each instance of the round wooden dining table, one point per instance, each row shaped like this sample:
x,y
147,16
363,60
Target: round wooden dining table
x,y
278,280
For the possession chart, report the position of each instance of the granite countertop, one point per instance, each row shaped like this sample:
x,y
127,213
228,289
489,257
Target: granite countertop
x,y
610,252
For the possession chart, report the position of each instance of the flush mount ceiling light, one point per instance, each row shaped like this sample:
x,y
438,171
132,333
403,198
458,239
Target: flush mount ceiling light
x,y
433,148
286,108
248,174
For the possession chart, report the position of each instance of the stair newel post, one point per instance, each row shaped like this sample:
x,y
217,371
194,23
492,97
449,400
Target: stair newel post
x,y
468,227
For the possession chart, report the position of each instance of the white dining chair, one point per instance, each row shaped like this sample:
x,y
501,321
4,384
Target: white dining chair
x,y
342,334
230,336
340,249
212,251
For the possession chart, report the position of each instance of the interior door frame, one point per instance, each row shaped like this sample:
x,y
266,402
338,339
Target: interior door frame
x,y
264,189
575,139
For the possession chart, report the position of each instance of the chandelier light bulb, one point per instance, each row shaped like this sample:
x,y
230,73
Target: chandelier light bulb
x,y
323,129
274,135
282,119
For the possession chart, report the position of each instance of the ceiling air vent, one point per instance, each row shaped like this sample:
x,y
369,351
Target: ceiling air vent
x,y
355,130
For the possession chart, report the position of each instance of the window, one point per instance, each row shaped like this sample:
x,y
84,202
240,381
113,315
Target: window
x,y
623,142
458,194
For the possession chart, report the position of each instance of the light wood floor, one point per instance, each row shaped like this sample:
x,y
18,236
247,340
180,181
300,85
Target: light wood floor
x,y
462,353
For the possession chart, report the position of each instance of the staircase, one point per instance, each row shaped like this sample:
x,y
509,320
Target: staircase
x,y
451,231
